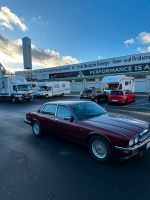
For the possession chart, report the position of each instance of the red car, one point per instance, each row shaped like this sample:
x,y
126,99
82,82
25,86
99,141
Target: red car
x,y
121,96
88,123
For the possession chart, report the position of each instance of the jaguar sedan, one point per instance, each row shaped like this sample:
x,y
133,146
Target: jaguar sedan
x,y
84,121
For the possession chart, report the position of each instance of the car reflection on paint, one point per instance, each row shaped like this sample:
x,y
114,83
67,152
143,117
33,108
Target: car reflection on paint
x,y
84,121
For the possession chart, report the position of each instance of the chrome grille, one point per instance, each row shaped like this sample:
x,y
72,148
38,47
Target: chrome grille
x,y
143,135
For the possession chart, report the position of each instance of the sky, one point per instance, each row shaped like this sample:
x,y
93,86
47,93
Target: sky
x,y
65,32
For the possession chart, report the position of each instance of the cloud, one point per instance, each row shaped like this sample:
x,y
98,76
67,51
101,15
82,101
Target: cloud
x,y
143,37
11,52
143,50
129,41
35,19
8,20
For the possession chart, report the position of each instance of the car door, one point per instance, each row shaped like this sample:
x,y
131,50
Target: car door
x,y
132,96
129,95
46,116
67,125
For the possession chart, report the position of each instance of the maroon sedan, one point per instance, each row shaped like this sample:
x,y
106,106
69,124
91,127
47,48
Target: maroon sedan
x,y
87,122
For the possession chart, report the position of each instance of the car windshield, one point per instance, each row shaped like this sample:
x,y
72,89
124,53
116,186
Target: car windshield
x,y
24,87
87,91
87,110
116,93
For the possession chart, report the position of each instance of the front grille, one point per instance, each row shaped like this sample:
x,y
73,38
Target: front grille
x,y
143,135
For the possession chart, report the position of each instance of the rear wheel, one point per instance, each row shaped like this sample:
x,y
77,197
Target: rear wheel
x,y
96,100
126,101
37,130
13,99
100,149
46,96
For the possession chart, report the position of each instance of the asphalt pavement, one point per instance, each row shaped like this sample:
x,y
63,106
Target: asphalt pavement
x,y
52,168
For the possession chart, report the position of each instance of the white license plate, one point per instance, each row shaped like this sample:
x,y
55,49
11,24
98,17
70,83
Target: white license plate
x,y
148,145
114,100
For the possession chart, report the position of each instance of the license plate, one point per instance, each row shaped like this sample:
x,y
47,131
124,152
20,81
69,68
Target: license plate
x,y
114,100
148,145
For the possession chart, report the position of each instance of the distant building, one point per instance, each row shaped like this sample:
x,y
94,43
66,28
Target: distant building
x,y
89,74
2,70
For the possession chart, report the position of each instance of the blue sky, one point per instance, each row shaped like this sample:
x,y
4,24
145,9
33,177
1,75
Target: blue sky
x,y
83,29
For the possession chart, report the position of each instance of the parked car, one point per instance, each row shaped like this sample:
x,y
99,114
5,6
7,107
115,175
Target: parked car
x,y
88,123
121,96
94,94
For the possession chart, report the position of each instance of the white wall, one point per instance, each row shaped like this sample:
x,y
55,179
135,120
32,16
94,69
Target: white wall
x,y
141,85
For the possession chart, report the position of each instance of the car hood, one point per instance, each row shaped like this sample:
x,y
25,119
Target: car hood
x,y
119,124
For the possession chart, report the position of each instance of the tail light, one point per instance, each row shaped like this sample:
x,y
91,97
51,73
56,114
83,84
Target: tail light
x,y
91,94
81,93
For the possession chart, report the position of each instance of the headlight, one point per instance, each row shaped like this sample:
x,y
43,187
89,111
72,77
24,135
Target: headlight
x,y
131,142
136,140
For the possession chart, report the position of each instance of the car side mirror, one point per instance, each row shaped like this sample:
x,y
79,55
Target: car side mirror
x,y
70,118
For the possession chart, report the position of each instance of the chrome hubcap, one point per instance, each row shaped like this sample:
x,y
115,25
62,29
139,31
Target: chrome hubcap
x,y
99,149
36,128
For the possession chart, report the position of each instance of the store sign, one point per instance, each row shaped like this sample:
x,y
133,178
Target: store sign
x,y
104,71
120,69
102,64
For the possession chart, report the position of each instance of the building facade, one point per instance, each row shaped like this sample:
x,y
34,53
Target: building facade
x,y
89,74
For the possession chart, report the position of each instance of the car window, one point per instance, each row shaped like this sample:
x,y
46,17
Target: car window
x,y
116,93
87,91
63,112
87,110
128,92
49,109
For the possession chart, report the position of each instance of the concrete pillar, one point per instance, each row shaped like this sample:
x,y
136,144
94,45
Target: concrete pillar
x,y
84,83
148,83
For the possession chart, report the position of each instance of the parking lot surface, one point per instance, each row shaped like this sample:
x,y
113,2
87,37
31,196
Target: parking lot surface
x,y
54,168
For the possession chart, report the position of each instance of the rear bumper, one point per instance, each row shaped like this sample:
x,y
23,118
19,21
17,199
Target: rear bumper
x,y
116,101
128,152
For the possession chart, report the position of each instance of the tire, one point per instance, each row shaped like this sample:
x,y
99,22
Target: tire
x,y
96,100
36,128
46,96
13,100
126,102
100,149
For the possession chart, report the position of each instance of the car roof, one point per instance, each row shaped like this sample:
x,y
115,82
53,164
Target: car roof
x,y
66,102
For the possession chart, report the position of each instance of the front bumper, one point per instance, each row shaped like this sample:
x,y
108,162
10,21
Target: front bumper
x,y
27,121
134,150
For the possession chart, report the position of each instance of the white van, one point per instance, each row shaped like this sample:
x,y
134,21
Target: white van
x,y
15,88
49,89
121,82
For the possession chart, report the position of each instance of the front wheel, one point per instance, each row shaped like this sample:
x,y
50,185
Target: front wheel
x,y
37,130
96,100
13,99
46,96
100,149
